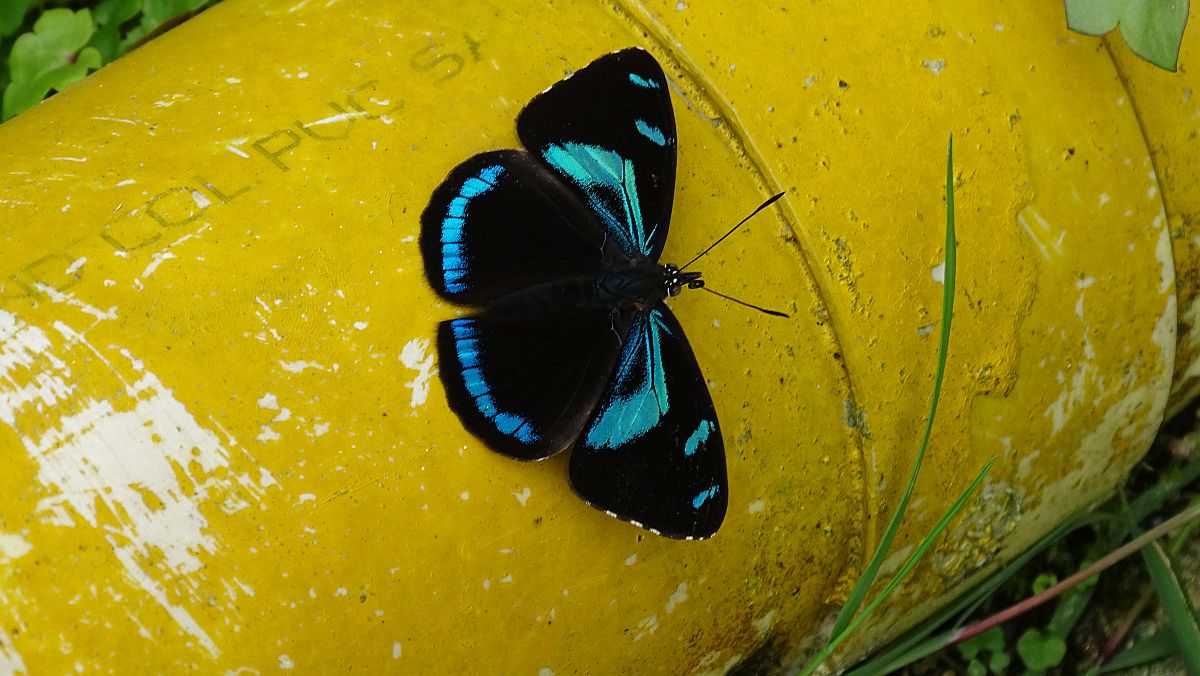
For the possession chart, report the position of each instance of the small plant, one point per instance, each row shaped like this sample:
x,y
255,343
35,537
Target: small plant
x,y
1153,29
986,653
854,612
47,50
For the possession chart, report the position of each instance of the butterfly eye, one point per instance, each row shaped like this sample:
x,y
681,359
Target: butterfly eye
x,y
696,284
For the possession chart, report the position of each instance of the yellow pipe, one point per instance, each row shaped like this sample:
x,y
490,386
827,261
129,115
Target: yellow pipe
x,y
228,448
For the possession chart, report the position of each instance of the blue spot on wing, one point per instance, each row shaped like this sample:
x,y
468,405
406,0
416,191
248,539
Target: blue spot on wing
x,y
704,496
651,132
642,82
466,347
698,437
454,260
609,185
639,389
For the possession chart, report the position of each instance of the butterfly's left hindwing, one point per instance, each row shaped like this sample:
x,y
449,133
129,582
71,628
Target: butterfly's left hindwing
x,y
526,384
652,451
609,132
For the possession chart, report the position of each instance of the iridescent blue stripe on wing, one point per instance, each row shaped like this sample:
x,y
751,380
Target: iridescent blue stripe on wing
x,y
642,82
698,437
466,347
704,496
454,254
651,132
609,184
643,380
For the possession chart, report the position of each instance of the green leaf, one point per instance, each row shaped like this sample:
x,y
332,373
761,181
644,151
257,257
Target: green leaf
x,y
970,649
991,641
976,668
1094,17
110,16
158,11
109,12
12,13
1041,652
1153,29
49,58
999,662
1043,582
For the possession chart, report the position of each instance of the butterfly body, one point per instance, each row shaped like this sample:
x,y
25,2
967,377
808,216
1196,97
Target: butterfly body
x,y
629,285
572,346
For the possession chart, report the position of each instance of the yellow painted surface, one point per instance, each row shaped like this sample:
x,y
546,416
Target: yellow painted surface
x,y
1168,108
226,446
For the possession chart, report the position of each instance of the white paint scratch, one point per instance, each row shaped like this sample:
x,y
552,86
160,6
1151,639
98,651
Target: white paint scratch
x,y
763,624
299,366
13,546
159,259
340,117
123,457
648,626
1039,230
934,66
679,596
69,299
414,356
10,659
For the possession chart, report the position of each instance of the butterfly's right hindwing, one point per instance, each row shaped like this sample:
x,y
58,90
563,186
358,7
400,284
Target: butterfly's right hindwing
x,y
501,221
652,452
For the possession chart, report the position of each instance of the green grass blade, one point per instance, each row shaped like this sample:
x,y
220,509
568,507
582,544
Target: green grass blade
x,y
921,641
909,564
1152,499
1159,646
917,644
1181,618
871,572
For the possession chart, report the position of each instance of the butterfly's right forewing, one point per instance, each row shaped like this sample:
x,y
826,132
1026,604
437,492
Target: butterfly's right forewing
x,y
609,132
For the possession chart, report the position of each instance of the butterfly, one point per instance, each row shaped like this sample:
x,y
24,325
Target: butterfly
x,y
573,347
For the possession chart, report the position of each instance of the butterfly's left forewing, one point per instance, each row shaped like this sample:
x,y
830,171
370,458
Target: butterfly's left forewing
x,y
502,221
609,132
652,451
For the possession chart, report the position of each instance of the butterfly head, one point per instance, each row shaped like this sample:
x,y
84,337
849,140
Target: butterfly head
x,y
675,279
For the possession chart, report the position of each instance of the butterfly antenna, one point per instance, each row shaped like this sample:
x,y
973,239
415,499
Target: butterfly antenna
x,y
773,313
762,206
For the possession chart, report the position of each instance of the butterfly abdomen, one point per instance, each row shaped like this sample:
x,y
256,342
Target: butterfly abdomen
x,y
627,285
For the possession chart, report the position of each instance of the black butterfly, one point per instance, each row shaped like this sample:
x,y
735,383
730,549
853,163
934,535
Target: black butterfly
x,y
574,346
